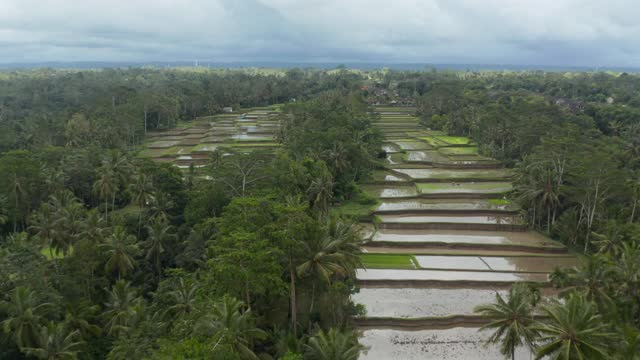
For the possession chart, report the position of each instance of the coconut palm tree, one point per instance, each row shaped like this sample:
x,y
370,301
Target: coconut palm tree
x,y
120,309
512,320
333,345
536,186
159,235
94,229
233,326
105,187
320,192
120,249
592,279
608,241
335,254
55,342
142,194
184,297
78,318
160,206
43,224
3,210
573,330
25,314
18,193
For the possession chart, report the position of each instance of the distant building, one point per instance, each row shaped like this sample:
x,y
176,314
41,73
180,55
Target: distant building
x,y
227,109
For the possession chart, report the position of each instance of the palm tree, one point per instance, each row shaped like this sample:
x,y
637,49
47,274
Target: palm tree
x,y
18,193
105,187
537,186
512,319
159,234
44,226
321,192
233,326
24,316
142,190
607,242
120,249
3,210
160,206
121,307
77,318
94,228
337,253
55,342
333,345
592,279
184,297
573,330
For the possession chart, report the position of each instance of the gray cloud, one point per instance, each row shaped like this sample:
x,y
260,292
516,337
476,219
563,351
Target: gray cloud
x,y
545,32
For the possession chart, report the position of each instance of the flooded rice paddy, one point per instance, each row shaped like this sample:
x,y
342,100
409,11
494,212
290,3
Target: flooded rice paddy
x,y
443,205
459,343
391,275
463,236
422,302
478,219
440,174
466,187
246,130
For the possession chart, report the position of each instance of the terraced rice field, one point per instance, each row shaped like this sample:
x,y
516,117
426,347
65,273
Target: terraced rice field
x,y
246,130
444,239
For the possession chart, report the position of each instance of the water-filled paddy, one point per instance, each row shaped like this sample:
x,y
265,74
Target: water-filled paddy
x,y
441,174
466,187
394,159
422,302
451,219
458,343
424,156
534,264
411,145
452,262
247,137
444,205
391,191
464,237
443,275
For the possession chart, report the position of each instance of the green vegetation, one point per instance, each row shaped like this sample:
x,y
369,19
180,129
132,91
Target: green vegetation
x,y
254,253
388,261
459,150
493,187
454,140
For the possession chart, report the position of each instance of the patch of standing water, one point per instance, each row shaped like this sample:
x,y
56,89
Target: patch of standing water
x,y
458,343
422,302
454,174
443,275
452,262
413,219
440,204
464,236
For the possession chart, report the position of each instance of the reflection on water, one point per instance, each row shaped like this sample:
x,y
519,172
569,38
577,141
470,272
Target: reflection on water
x,y
422,302
475,219
456,343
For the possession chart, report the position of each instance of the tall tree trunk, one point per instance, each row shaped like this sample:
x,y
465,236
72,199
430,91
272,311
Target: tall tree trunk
x,y
292,291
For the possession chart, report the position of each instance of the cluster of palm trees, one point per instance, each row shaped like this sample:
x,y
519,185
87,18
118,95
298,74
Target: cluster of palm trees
x,y
596,314
569,330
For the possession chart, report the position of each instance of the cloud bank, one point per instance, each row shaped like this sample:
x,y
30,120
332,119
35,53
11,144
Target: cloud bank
x,y
541,32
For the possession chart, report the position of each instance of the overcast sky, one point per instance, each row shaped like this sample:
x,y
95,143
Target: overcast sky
x,y
525,32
